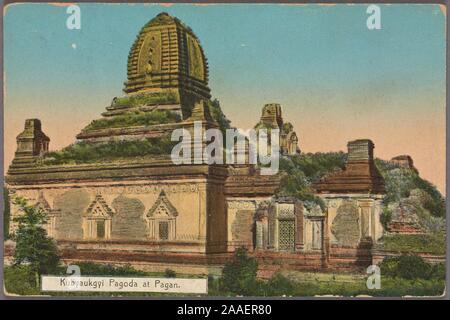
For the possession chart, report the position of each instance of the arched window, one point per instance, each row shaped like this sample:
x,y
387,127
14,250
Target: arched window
x,y
161,219
97,220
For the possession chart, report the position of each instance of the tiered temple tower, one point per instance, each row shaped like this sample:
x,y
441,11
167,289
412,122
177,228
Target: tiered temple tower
x,y
167,72
271,118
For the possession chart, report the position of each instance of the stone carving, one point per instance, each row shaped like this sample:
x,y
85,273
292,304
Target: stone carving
x,y
161,219
165,47
196,68
162,207
345,226
241,205
134,189
150,55
98,208
181,188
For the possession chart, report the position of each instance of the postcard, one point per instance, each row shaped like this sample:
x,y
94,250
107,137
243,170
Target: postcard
x,y
224,150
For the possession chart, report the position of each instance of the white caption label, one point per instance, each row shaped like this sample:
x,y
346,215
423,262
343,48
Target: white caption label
x,y
124,284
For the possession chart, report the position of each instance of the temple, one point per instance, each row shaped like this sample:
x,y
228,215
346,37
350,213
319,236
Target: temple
x,y
115,196
271,118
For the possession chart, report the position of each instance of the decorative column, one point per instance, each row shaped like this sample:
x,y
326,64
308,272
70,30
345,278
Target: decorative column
x,y
298,212
365,207
107,228
259,237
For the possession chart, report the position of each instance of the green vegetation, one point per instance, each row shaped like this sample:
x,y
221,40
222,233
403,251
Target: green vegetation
x,y
21,280
304,169
407,192
413,243
239,278
401,182
137,118
85,152
239,275
218,115
6,214
411,267
147,99
402,185
33,246
169,273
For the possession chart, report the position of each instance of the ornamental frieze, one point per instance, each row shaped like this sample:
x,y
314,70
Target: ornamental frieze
x,y
138,189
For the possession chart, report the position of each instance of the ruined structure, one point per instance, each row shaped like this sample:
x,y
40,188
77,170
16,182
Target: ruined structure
x,y
32,143
271,118
404,161
404,220
354,201
141,209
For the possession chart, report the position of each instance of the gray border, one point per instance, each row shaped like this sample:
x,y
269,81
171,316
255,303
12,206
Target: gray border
x,y
4,297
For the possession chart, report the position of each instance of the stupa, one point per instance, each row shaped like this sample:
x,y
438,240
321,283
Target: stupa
x,y
116,196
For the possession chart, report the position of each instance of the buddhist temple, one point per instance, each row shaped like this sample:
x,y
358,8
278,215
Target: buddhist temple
x,y
115,196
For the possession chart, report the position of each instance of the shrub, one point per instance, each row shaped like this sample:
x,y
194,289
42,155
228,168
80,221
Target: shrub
x,y
21,280
407,267
94,269
239,275
385,217
413,243
401,181
218,115
304,169
280,285
438,271
169,273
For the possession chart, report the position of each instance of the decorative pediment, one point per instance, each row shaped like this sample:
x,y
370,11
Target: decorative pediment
x,y
162,208
98,208
43,204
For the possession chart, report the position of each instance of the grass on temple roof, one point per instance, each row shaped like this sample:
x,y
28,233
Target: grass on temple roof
x,y
85,152
134,119
147,99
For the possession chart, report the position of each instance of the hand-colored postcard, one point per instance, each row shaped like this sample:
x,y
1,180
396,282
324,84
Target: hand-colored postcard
x,y
193,150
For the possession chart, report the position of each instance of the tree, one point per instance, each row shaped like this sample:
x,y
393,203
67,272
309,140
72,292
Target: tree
x,y
239,275
33,246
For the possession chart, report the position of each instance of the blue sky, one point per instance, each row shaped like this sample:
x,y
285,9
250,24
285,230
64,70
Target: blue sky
x,y
329,72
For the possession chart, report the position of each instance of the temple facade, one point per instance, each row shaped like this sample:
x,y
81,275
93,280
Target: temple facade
x,y
148,212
